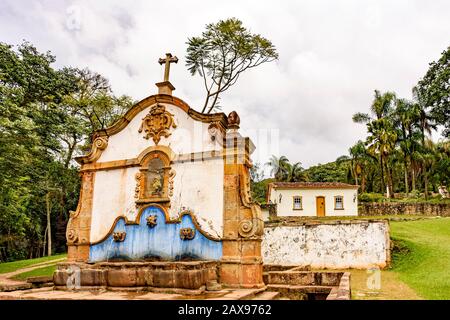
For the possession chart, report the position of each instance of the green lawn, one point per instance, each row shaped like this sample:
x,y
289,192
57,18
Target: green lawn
x,y
13,266
45,271
422,256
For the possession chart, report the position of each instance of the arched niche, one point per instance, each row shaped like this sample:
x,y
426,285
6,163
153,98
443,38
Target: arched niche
x,y
154,179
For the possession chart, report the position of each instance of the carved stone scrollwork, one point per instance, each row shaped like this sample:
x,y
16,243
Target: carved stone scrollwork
x,y
250,228
216,131
151,221
72,236
119,236
157,123
98,145
245,228
187,233
137,189
172,175
71,231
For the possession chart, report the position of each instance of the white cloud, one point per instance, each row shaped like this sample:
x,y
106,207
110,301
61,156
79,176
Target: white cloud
x,y
332,56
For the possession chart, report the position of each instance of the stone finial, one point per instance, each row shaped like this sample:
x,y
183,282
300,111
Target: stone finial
x,y
233,120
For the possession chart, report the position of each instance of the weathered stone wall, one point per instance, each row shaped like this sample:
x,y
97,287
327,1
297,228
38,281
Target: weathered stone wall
x,y
328,244
395,208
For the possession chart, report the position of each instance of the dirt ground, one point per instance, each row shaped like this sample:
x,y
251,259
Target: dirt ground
x,y
379,285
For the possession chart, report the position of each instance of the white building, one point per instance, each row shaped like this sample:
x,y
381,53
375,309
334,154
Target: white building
x,y
319,199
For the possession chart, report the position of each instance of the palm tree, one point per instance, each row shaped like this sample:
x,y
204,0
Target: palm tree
x,y
426,124
405,118
279,167
359,159
381,140
382,134
295,173
427,158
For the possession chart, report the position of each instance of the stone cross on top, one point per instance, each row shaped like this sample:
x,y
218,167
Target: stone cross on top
x,y
166,87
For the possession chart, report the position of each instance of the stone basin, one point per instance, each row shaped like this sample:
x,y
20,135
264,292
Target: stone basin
x,y
189,275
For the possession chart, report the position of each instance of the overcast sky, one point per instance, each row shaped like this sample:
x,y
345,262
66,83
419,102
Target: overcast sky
x,y
333,54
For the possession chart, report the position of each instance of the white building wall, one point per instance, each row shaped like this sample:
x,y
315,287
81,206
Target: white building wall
x,y
285,207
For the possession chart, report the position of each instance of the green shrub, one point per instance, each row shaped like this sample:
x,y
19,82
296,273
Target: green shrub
x,y
370,197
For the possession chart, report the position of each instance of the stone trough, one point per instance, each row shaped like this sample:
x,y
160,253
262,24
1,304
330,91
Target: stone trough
x,y
192,277
300,283
200,280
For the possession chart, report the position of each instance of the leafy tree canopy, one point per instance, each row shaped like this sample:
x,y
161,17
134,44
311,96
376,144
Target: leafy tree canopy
x,y
435,89
222,53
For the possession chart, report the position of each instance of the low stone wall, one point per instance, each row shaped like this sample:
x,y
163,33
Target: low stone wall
x,y
328,244
343,291
397,208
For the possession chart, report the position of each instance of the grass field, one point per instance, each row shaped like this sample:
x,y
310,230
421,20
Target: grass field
x,y
45,271
15,265
422,256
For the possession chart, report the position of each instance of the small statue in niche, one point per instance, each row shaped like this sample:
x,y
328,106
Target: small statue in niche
x,y
157,185
155,177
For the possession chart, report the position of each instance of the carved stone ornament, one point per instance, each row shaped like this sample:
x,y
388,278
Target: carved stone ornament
x,y
187,233
172,174
151,221
233,120
119,236
137,189
157,123
245,228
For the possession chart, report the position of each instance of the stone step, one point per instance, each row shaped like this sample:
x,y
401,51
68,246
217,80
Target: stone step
x,y
15,286
240,294
305,278
300,292
40,279
300,288
267,295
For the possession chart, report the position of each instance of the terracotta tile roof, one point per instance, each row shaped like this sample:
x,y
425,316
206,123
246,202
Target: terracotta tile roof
x,y
312,185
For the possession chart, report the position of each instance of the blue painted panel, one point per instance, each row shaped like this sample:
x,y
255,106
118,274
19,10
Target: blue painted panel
x,y
162,241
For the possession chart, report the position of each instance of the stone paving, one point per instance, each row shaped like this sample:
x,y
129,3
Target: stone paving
x,y
50,294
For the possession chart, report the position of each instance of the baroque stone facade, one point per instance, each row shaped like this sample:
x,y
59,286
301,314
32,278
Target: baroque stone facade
x,y
148,193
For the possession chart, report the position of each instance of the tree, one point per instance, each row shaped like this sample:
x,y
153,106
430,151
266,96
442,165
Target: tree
x,y
382,138
47,115
222,53
405,117
434,88
295,173
278,167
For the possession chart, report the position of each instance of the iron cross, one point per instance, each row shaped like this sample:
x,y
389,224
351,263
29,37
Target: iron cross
x,y
167,60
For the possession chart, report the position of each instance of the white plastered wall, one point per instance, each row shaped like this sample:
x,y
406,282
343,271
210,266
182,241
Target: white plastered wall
x,y
285,207
198,185
189,136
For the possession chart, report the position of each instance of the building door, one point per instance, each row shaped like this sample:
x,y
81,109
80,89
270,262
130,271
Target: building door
x,y
320,206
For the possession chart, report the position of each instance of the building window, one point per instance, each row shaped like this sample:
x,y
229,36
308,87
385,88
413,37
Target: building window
x,y
339,203
297,200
